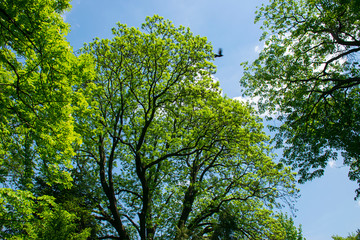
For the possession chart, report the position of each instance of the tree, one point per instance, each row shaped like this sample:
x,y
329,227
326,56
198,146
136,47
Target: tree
x,y
352,236
77,200
254,222
247,220
307,75
291,231
23,216
156,151
37,73
161,146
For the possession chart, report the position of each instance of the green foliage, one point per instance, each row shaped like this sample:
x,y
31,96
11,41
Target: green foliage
x,y
75,200
23,216
249,220
352,236
254,222
140,126
164,147
37,72
291,231
307,76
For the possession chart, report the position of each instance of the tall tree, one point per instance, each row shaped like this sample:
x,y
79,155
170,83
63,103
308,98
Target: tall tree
x,y
308,76
37,73
164,150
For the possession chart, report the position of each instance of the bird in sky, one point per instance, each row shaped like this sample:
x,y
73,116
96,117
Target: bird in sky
x,y
219,53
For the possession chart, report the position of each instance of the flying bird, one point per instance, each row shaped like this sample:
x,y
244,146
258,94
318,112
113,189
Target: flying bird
x,y
219,53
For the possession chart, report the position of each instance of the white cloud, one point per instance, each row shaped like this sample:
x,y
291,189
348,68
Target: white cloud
x,y
332,163
257,49
253,102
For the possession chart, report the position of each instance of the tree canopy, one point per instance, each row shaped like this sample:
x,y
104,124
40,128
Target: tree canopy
x,y
352,236
307,76
37,73
132,139
167,150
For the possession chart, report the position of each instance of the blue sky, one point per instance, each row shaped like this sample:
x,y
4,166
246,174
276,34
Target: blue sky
x,y
326,206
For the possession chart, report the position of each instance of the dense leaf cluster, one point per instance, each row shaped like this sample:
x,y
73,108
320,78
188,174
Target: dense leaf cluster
x,y
37,74
170,151
130,140
307,76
